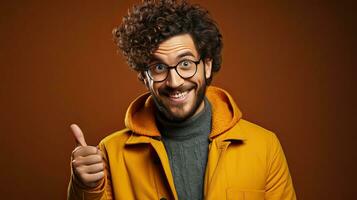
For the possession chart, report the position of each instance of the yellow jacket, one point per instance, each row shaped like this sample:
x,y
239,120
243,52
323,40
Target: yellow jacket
x,y
245,161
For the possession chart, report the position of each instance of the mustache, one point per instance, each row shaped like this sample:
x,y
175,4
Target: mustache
x,y
167,90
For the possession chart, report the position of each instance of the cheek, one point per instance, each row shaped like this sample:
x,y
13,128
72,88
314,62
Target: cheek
x,y
154,88
200,78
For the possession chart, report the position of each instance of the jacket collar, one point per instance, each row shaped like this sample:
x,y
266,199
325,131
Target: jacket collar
x,y
140,118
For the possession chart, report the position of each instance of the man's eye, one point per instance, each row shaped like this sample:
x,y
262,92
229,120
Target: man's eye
x,y
160,68
186,64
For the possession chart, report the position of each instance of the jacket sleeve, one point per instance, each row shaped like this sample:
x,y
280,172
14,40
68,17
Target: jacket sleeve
x,y
78,191
279,184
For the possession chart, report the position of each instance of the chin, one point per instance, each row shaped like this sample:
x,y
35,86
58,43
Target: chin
x,y
180,115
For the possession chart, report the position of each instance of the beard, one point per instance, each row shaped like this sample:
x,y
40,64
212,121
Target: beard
x,y
168,114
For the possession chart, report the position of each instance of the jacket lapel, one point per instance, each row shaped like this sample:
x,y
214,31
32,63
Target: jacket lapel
x,y
160,150
215,180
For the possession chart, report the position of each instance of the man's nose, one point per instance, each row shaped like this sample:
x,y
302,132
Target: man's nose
x,y
173,79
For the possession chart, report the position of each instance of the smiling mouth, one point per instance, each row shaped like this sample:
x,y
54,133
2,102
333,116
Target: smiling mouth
x,y
178,97
178,94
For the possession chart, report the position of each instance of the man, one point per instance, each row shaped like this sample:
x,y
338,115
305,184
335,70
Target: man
x,y
183,139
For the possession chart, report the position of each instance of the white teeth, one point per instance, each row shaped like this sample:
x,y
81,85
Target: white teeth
x,y
178,95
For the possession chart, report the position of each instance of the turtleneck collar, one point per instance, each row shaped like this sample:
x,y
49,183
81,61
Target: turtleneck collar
x,y
189,128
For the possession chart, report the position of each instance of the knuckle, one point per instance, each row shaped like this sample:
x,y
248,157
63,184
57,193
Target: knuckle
x,y
95,177
93,159
87,150
76,151
75,163
79,170
98,167
99,175
101,166
92,149
98,157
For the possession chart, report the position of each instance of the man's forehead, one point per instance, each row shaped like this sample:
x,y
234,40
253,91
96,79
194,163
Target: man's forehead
x,y
176,45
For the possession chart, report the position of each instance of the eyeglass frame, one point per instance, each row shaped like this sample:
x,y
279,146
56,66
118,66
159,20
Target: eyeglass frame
x,y
174,67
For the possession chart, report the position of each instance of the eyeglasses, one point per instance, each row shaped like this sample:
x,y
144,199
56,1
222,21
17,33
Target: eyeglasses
x,y
159,72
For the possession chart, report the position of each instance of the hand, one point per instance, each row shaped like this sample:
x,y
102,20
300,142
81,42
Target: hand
x,y
87,161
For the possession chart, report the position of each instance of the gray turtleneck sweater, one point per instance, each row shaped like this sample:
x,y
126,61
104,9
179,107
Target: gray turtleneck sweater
x,y
186,145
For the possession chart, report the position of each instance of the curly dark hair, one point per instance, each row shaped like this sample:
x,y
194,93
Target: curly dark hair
x,y
151,22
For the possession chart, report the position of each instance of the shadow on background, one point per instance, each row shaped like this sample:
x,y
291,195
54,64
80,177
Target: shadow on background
x,y
289,65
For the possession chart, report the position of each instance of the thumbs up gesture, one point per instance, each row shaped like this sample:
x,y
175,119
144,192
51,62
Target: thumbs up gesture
x,y
87,161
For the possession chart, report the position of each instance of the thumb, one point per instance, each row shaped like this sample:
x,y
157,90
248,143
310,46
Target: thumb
x,y
78,135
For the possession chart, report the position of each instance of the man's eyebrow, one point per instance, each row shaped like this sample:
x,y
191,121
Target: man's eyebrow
x,y
188,53
157,59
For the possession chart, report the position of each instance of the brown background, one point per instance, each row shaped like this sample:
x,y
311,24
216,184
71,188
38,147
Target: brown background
x,y
289,65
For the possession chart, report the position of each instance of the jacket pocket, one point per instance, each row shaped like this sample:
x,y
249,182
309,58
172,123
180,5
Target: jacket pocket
x,y
239,194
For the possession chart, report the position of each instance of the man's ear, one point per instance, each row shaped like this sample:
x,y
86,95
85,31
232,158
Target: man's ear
x,y
208,67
